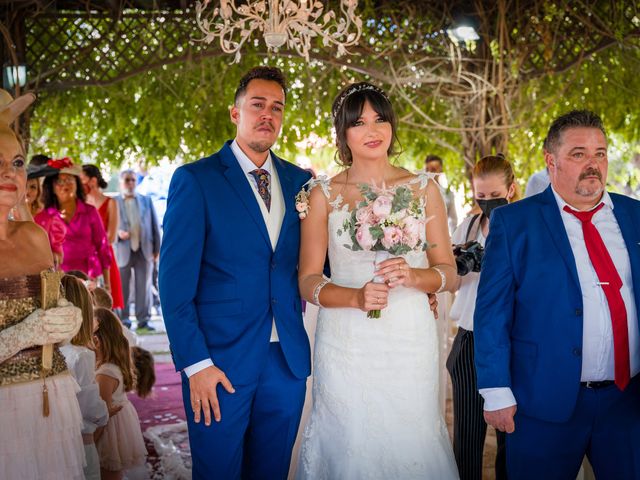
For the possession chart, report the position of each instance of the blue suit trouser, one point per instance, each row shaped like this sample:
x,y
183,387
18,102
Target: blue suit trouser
x,y
605,426
258,428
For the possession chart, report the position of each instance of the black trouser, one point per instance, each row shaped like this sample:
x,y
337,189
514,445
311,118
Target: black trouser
x,y
469,427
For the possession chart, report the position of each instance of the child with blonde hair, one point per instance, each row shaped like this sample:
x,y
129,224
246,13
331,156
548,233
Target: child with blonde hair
x,y
120,444
81,361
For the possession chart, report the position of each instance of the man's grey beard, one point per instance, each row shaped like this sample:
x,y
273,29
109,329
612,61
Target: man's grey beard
x,y
260,147
589,192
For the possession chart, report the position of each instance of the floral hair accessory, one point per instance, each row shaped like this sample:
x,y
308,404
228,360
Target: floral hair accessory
x,y
355,88
60,163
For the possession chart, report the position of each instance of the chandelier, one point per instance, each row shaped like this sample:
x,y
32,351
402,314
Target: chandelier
x,y
292,22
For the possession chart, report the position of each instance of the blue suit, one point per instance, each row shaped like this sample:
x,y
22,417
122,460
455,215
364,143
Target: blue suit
x,y
221,285
528,332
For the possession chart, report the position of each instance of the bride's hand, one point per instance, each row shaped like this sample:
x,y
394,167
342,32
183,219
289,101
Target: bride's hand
x,y
373,296
396,272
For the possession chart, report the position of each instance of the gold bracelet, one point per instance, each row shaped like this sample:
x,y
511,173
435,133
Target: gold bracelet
x,y
316,292
443,280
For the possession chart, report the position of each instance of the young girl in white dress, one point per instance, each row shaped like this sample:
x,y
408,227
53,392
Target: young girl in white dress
x,y
82,364
376,412
120,444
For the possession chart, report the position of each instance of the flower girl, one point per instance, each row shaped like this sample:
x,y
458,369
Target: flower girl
x,y
120,444
82,363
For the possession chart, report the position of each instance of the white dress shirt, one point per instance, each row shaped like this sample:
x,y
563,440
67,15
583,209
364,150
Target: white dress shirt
x,y
597,336
272,217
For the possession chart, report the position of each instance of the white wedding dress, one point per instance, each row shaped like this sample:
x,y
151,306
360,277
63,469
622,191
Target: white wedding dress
x,y
376,411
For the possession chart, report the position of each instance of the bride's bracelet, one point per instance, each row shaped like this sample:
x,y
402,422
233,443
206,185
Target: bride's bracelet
x,y
316,291
443,280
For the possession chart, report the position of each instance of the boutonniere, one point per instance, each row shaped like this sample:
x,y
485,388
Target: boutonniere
x,y
302,204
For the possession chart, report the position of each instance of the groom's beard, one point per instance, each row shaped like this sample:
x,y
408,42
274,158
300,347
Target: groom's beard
x,y
260,147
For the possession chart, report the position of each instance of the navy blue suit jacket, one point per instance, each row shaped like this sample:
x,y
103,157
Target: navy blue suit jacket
x,y
221,283
528,316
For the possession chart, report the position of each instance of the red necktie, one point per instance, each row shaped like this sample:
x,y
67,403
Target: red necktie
x,y
611,284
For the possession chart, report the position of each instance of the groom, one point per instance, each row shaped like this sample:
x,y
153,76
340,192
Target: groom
x,y
556,323
228,283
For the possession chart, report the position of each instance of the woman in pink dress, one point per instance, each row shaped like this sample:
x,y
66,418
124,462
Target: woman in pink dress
x,y
86,247
93,184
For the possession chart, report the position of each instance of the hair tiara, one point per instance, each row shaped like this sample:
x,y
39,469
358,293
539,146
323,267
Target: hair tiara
x,y
355,88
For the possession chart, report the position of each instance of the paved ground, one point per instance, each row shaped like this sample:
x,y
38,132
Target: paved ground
x,y
156,342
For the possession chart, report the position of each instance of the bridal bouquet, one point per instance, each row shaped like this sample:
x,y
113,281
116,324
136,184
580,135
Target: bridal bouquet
x,y
388,221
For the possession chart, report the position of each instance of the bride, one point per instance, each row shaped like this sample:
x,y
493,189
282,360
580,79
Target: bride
x,y
375,388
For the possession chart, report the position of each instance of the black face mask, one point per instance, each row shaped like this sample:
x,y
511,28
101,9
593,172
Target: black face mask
x,y
487,206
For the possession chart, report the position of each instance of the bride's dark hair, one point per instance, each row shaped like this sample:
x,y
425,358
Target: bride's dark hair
x,y
347,108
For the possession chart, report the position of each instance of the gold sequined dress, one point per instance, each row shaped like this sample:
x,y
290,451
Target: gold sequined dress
x,y
32,445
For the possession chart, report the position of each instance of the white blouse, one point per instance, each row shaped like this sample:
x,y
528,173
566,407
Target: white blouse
x,y
82,364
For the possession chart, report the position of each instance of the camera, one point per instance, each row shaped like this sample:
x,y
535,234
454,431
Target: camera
x,y
468,257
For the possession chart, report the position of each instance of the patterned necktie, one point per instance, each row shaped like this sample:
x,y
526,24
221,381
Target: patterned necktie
x,y
264,188
611,284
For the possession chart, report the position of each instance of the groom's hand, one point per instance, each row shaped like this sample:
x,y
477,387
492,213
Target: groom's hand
x,y
502,419
204,398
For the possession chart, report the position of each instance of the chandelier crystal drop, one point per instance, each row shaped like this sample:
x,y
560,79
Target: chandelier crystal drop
x,y
294,23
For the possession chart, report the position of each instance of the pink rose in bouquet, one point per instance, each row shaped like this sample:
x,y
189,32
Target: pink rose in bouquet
x,y
365,215
364,237
392,236
411,231
382,206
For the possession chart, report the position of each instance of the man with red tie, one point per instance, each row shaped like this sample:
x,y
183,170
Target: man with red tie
x,y
557,343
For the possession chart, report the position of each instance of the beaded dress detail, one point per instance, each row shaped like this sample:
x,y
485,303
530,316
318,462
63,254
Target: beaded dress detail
x,y
37,447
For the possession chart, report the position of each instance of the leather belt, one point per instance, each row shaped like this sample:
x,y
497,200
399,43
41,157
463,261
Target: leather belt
x,y
599,384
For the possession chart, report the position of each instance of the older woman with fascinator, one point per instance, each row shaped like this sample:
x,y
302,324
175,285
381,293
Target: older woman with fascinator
x,y
40,419
86,247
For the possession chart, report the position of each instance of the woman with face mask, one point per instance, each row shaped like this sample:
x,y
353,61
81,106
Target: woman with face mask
x,y
493,185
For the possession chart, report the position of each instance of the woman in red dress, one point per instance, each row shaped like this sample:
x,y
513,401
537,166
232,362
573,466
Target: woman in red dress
x,y
93,184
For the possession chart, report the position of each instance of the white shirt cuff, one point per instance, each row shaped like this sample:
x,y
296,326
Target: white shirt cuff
x,y
497,398
196,367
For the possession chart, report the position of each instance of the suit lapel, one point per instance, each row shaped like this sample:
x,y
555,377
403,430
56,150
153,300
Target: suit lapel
x,y
124,219
238,181
288,196
553,220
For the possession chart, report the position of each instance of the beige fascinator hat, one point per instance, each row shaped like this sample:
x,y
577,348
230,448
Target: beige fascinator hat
x,y
11,108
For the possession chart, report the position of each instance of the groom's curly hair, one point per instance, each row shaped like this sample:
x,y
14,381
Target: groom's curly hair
x,y
272,74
